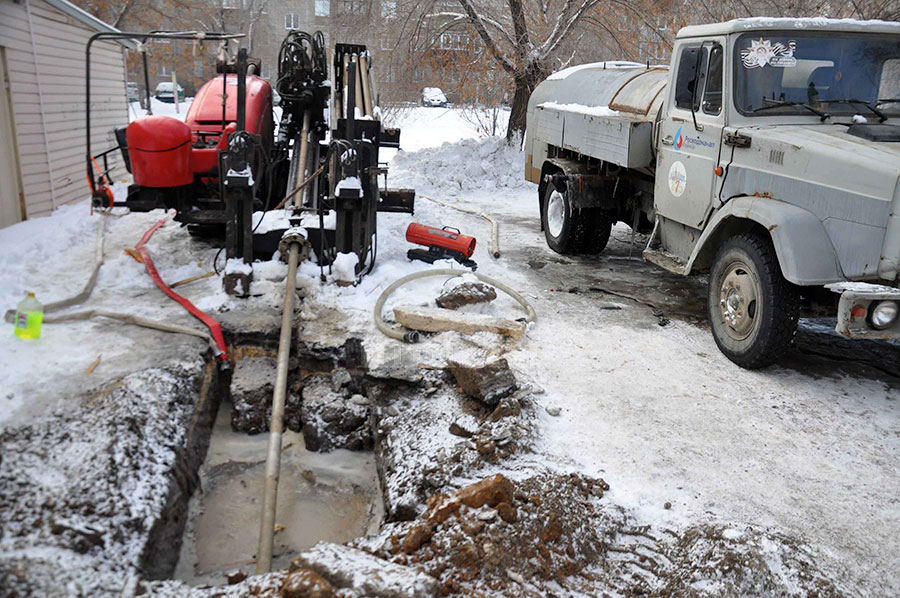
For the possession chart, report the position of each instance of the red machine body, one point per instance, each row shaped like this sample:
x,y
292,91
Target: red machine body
x,y
204,118
160,149
446,238
166,152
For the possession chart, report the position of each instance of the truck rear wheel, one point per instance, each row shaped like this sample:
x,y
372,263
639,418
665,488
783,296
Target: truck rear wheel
x,y
597,228
563,225
753,310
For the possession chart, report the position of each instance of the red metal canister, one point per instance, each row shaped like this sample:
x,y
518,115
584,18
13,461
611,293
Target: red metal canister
x,y
447,237
160,150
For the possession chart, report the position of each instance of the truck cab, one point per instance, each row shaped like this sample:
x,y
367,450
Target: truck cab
x,y
774,161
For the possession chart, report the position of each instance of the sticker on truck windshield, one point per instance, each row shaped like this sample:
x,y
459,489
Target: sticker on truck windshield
x,y
763,52
677,179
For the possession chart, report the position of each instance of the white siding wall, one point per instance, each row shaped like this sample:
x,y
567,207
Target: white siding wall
x,y
47,86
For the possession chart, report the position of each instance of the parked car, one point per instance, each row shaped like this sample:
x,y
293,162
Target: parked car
x,y
434,97
164,92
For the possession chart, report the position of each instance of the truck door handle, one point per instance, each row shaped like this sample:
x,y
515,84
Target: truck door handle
x,y
668,140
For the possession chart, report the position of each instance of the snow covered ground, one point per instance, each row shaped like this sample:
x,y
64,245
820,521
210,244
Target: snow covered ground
x,y
681,435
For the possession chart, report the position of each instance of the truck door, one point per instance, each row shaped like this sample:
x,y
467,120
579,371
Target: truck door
x,y
689,153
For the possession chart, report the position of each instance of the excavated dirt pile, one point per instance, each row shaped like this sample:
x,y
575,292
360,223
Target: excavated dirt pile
x,y
493,535
551,535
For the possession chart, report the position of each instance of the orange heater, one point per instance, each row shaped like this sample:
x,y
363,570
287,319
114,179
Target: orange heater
x,y
442,243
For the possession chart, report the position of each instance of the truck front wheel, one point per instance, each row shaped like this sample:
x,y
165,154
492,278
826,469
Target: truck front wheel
x,y
563,225
753,310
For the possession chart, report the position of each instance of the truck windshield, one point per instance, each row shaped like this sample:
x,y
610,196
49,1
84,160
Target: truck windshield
x,y
780,73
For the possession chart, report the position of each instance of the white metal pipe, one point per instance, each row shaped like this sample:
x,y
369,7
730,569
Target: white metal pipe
x,y
304,154
368,100
276,426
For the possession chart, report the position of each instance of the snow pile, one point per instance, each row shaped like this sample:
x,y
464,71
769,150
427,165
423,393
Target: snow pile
x,y
236,265
351,183
581,109
468,165
423,127
807,22
344,267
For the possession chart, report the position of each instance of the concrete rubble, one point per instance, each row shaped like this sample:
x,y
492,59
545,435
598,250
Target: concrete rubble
x,y
467,293
333,415
487,382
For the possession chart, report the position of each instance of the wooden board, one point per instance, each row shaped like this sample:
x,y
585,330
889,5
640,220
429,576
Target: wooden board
x,y
434,319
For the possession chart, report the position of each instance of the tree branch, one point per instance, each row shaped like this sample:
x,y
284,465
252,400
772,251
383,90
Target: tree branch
x,y
478,23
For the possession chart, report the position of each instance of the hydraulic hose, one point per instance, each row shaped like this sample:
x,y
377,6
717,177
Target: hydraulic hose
x,y
134,320
495,226
214,328
276,427
412,336
88,288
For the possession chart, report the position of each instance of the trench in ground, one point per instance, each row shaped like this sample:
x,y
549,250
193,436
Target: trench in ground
x,y
333,496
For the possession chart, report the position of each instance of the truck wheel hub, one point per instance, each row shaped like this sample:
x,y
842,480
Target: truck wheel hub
x,y
556,213
739,295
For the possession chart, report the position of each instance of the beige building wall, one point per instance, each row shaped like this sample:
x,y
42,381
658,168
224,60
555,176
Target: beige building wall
x,y
45,51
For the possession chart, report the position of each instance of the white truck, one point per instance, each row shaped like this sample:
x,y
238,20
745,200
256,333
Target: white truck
x,y
768,154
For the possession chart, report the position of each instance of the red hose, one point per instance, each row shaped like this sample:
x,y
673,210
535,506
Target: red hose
x,y
214,328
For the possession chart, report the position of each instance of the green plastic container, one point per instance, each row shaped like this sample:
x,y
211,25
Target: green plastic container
x,y
29,315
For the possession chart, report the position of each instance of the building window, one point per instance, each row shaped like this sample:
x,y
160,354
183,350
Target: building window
x,y
291,21
323,8
198,68
232,4
386,43
388,8
355,6
454,41
419,74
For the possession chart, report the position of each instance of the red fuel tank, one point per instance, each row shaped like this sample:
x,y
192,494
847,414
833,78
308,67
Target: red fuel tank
x,y
448,238
160,149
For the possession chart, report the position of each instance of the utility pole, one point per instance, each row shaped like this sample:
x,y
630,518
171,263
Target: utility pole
x,y
175,90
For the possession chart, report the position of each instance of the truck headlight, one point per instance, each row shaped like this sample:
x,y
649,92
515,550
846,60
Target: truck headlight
x,y
883,314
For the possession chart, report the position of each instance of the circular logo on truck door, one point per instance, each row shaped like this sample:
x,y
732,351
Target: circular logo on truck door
x,y
677,179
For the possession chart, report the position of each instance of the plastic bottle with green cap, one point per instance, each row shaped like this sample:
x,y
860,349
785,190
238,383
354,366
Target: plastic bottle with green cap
x,y
29,315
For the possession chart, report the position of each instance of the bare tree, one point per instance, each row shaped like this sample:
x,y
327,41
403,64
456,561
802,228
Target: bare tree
x,y
234,16
523,38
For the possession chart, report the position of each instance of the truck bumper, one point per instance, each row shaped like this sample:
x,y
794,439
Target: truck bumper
x,y
857,304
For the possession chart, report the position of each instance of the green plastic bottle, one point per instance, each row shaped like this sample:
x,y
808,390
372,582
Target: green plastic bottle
x,y
29,315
